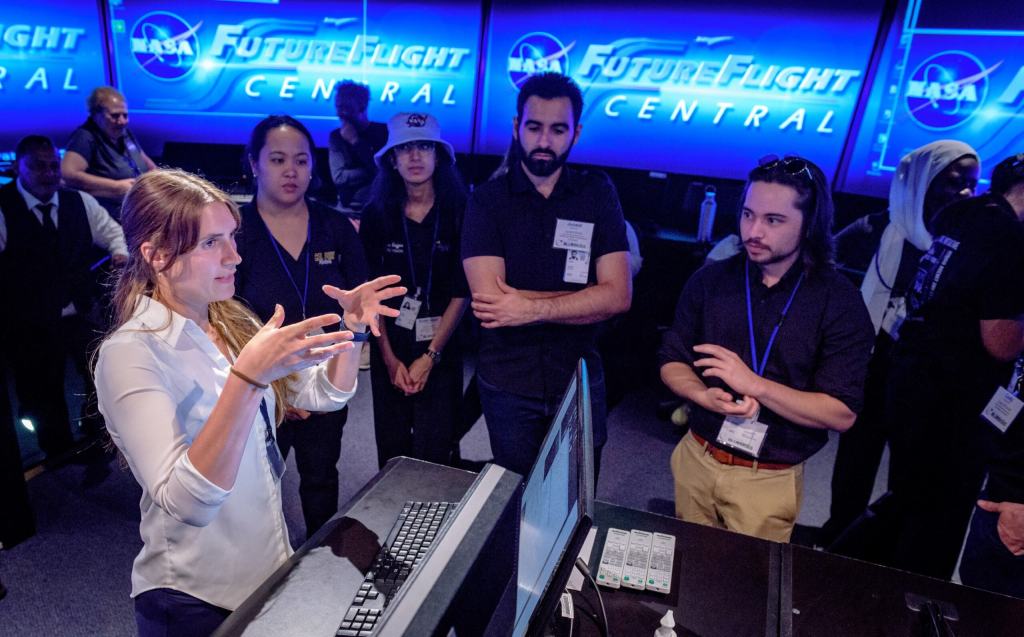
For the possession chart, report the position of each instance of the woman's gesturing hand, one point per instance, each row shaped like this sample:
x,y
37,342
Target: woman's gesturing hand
x,y
362,305
276,351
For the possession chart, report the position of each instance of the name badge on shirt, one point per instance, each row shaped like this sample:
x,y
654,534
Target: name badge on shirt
x,y
426,327
1002,409
573,235
745,434
577,266
408,312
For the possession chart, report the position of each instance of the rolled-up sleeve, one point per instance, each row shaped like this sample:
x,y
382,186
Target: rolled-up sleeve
x,y
846,340
144,422
313,391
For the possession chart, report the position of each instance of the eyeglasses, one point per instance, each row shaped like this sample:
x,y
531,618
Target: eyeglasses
x,y
790,164
408,147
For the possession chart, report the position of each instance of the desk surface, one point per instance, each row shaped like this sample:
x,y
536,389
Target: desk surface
x,y
837,596
724,583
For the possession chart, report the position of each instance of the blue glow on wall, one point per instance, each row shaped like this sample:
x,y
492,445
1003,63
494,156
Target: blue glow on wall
x,y
937,82
208,71
51,57
694,88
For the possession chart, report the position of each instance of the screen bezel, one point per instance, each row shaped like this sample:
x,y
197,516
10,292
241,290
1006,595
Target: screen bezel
x,y
585,506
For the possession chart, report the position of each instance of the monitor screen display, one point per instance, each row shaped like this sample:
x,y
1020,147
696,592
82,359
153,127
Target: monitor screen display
x,y
208,71
51,57
556,498
689,87
944,74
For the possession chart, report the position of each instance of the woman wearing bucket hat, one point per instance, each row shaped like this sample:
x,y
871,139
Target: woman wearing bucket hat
x,y
411,227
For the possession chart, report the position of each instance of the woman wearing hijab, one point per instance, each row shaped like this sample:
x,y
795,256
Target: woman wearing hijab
x,y
927,179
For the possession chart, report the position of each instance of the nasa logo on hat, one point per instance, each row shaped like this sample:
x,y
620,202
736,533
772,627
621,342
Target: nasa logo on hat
x,y
416,120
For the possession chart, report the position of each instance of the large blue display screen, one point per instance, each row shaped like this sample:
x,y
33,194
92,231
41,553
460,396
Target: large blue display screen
x,y
937,80
208,71
51,57
691,87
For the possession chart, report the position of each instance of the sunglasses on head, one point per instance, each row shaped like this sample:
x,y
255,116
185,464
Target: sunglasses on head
x,y
791,165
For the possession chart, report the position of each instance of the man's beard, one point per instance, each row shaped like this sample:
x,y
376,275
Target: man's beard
x,y
539,162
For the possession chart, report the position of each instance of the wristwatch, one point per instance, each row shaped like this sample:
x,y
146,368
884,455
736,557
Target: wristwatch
x,y
435,357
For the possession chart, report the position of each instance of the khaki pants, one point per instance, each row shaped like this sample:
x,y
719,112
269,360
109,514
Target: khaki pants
x,y
759,502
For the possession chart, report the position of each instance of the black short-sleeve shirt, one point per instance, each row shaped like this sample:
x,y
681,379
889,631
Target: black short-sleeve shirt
x,y
120,159
335,258
973,271
383,239
822,346
508,218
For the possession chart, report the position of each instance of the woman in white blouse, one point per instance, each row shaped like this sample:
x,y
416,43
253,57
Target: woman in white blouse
x,y
191,386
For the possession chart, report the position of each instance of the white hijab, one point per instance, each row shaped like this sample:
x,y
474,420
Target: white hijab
x,y
909,185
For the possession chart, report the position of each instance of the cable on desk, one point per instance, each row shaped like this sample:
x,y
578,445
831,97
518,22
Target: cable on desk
x,y
582,566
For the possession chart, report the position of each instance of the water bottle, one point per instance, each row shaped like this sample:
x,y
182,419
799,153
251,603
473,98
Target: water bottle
x,y
707,215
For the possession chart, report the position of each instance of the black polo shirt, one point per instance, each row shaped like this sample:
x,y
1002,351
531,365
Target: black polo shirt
x,y
111,159
973,271
822,346
335,258
384,243
507,217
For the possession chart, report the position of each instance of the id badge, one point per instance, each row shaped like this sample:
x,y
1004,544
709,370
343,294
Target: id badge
x,y
1002,409
745,434
573,235
577,266
425,328
407,314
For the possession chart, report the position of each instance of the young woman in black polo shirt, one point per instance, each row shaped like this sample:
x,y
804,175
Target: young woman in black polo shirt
x,y
411,227
290,247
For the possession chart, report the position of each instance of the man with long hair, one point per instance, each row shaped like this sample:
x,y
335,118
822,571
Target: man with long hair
x,y
771,347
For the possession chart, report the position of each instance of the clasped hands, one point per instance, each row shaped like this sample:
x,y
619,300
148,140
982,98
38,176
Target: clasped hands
x,y
412,379
727,366
277,350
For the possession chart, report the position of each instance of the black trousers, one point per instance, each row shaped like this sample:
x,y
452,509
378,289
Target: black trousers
x,y
317,444
423,425
36,353
16,519
942,446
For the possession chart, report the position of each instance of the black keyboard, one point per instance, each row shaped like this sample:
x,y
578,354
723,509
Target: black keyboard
x,y
399,554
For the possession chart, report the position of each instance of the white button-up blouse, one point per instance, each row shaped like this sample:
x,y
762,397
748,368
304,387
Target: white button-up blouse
x,y
157,380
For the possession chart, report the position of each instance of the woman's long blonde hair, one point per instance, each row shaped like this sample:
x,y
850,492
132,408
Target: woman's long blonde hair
x,y
164,207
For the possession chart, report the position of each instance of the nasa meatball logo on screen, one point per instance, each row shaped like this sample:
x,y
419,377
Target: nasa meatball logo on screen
x,y
537,53
164,45
947,89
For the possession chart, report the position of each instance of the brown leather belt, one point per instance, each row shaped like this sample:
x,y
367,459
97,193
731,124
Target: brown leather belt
x,y
724,457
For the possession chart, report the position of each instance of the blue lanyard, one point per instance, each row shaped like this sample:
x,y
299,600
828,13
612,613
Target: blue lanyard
x,y
280,257
430,264
129,141
759,369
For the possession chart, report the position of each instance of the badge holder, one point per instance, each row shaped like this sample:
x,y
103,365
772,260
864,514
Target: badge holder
x,y
1005,406
409,310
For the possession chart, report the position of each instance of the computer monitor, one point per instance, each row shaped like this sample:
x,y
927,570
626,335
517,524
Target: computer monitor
x,y
554,514
556,509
